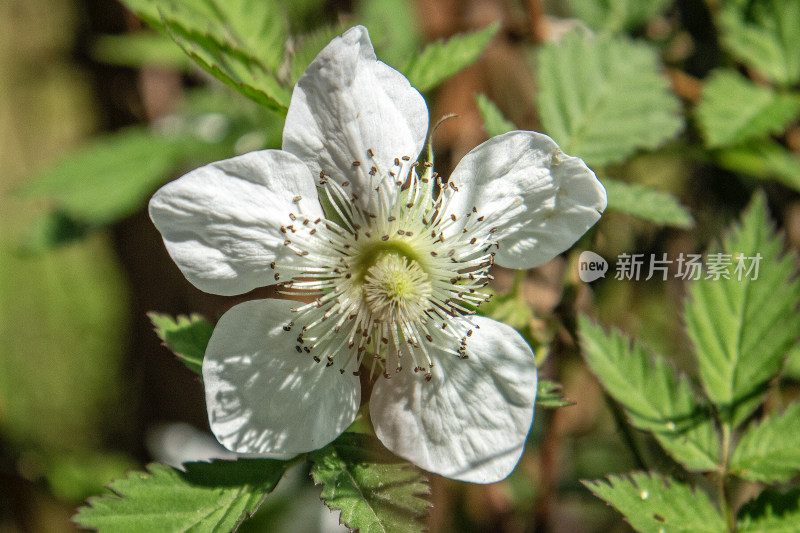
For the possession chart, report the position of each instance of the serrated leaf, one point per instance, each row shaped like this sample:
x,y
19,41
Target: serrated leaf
x,y
652,503
742,327
306,48
238,69
764,159
769,452
654,398
616,15
733,109
641,201
771,512
214,496
549,395
493,119
440,60
766,36
376,492
186,336
602,98
107,178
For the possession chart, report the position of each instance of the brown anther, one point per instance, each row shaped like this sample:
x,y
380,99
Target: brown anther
x,y
493,230
406,158
473,240
480,218
428,164
277,276
356,163
396,162
272,265
401,232
453,217
373,171
297,198
345,183
391,219
370,152
299,349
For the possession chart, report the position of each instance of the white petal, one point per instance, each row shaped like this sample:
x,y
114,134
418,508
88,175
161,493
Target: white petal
x,y
471,420
221,222
348,103
540,200
264,397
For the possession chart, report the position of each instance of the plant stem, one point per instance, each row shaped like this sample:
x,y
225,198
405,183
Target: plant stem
x,y
723,492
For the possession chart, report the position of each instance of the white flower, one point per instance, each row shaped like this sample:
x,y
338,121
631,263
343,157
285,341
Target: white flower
x,y
392,273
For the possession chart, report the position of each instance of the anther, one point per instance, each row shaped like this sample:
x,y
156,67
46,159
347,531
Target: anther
x,y
356,163
370,152
297,198
292,216
406,158
428,164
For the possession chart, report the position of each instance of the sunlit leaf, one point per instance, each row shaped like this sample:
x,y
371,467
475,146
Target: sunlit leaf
x,y
742,327
765,159
766,36
393,28
645,202
602,98
652,503
376,492
771,512
214,496
306,47
733,109
493,119
654,398
187,337
139,49
770,451
616,15
440,60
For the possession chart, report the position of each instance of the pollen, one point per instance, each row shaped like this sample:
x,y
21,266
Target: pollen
x,y
397,289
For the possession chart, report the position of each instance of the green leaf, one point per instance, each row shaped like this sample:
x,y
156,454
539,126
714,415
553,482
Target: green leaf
x,y
549,395
214,496
770,451
733,109
641,201
306,48
742,328
652,503
393,28
376,492
238,69
764,159
771,512
187,337
440,60
617,15
496,123
138,49
108,178
654,399
602,98
766,36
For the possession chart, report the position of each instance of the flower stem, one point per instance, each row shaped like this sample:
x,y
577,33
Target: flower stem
x,y
723,488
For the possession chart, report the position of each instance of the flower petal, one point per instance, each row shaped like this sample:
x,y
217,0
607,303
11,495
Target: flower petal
x,y
540,200
264,397
471,420
221,222
347,104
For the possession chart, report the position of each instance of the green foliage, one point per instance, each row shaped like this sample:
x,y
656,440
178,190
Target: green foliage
x,y
765,159
440,60
393,28
307,47
616,15
374,490
493,119
639,200
549,395
766,36
742,328
138,49
603,97
108,178
654,399
771,512
186,336
214,496
652,503
733,109
769,452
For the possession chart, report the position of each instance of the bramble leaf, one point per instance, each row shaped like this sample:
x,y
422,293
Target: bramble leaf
x,y
769,452
766,36
186,337
214,496
495,122
549,395
764,159
733,109
652,503
376,492
602,98
440,60
641,201
771,512
616,15
742,327
654,399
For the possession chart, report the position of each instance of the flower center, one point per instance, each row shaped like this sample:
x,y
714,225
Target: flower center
x,y
397,289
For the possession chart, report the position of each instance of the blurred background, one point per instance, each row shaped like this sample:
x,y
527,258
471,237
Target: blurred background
x,y
87,392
